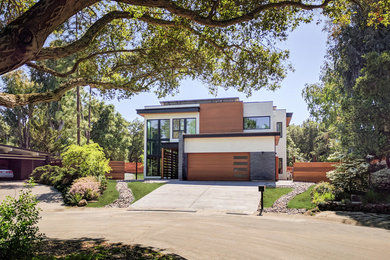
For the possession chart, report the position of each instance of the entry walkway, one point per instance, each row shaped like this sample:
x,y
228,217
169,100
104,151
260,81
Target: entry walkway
x,y
229,197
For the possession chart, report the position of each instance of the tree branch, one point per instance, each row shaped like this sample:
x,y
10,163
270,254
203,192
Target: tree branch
x,y
175,9
76,64
213,9
14,100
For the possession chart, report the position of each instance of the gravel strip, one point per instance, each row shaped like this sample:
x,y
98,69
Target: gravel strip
x,y
280,205
125,196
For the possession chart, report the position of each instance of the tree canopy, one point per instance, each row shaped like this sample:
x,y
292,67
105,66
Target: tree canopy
x,y
134,46
354,95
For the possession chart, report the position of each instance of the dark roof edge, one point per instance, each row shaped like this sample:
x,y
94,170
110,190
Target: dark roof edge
x,y
230,135
24,149
289,114
200,101
168,110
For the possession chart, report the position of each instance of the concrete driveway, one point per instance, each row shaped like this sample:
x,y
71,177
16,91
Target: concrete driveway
x,y
230,197
49,198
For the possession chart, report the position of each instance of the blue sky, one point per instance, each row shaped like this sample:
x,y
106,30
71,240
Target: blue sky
x,y
307,45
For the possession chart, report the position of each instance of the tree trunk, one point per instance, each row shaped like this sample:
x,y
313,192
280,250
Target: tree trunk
x,y
78,114
388,160
89,115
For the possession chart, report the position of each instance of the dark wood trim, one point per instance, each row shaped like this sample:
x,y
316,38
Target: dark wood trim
x,y
230,135
167,110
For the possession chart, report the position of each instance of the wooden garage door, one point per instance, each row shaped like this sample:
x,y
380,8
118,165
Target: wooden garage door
x,y
218,167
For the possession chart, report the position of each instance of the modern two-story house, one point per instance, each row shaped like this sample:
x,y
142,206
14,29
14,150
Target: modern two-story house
x,y
215,139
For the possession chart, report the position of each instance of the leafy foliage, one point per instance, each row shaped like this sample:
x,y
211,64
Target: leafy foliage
x,y
59,178
19,234
323,192
353,97
110,132
88,160
310,142
351,177
136,134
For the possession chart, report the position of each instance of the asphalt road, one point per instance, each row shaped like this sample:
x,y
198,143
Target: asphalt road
x,y
207,235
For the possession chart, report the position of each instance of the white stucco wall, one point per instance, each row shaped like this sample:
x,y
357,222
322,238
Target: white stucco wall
x,y
252,109
279,115
230,144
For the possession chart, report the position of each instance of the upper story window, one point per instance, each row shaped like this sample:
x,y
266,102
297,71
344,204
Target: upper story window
x,y
183,125
158,129
257,122
279,128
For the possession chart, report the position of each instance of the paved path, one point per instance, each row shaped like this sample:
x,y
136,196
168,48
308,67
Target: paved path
x,y
222,236
233,197
49,198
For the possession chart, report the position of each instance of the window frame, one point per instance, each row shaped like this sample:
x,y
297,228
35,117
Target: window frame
x,y
180,130
249,117
281,128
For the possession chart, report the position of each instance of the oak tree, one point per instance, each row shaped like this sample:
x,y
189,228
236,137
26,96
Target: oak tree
x,y
137,45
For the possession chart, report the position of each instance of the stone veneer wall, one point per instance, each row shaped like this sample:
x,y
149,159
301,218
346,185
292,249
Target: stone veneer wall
x,y
262,166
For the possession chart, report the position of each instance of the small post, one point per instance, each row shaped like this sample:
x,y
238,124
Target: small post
x,y
261,190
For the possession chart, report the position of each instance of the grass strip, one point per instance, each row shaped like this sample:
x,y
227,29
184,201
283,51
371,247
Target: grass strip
x,y
272,194
302,201
108,196
141,189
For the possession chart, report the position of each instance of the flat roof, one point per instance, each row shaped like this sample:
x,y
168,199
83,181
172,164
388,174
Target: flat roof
x,y
199,101
7,151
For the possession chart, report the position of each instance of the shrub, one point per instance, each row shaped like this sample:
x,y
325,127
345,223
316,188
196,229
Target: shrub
x,y
322,192
351,177
88,160
372,197
59,178
87,187
19,235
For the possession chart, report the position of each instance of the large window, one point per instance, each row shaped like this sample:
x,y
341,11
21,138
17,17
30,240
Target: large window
x,y
183,125
258,122
157,131
279,128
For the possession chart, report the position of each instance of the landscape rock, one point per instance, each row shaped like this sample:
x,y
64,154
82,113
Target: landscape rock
x,y
82,203
125,196
280,205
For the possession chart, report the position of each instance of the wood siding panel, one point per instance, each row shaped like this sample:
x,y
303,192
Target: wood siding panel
x,y
221,117
117,170
218,167
312,171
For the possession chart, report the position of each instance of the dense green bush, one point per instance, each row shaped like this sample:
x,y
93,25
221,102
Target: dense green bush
x,y
351,177
59,178
19,235
322,192
88,160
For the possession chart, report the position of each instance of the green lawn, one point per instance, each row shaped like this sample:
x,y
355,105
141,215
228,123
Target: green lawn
x,y
302,201
272,194
108,197
141,189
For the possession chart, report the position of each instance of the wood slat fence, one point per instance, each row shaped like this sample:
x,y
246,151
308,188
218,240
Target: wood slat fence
x,y
130,167
312,171
117,170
